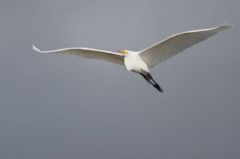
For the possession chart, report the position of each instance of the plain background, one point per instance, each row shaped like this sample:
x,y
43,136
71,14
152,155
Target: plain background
x,y
65,107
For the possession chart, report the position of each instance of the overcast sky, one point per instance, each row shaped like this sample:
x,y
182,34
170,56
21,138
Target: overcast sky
x,y
65,107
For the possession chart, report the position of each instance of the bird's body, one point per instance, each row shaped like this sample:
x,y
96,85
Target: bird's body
x,y
140,62
134,63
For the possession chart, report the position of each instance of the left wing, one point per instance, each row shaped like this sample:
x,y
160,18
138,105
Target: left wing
x,y
88,53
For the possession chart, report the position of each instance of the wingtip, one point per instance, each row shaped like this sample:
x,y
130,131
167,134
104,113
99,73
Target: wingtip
x,y
226,26
231,26
35,48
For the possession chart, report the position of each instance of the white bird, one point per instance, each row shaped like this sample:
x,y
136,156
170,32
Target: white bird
x,y
141,61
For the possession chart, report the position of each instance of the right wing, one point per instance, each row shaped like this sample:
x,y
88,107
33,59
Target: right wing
x,y
176,44
88,53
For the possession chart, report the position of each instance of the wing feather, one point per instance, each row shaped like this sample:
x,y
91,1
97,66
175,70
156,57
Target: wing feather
x,y
88,53
176,44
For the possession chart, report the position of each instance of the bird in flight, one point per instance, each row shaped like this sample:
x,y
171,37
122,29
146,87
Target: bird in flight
x,y
141,61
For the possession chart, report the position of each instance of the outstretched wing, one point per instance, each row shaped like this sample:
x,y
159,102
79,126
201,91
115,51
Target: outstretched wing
x,y
88,53
176,44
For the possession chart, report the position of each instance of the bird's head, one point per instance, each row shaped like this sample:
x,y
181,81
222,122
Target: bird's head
x,y
123,52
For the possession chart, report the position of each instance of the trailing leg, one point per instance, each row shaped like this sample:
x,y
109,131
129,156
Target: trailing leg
x,y
149,79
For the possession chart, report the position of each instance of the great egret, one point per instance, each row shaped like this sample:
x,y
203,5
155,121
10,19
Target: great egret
x,y
141,61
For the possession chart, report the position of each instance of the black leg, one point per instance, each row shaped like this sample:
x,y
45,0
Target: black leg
x,y
150,80
156,85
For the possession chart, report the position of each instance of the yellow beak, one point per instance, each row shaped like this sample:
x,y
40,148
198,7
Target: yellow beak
x,y
123,52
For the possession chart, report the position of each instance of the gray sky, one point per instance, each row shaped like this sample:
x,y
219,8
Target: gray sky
x,y
60,106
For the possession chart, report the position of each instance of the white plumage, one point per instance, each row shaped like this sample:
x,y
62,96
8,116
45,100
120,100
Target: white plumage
x,y
140,62
88,53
